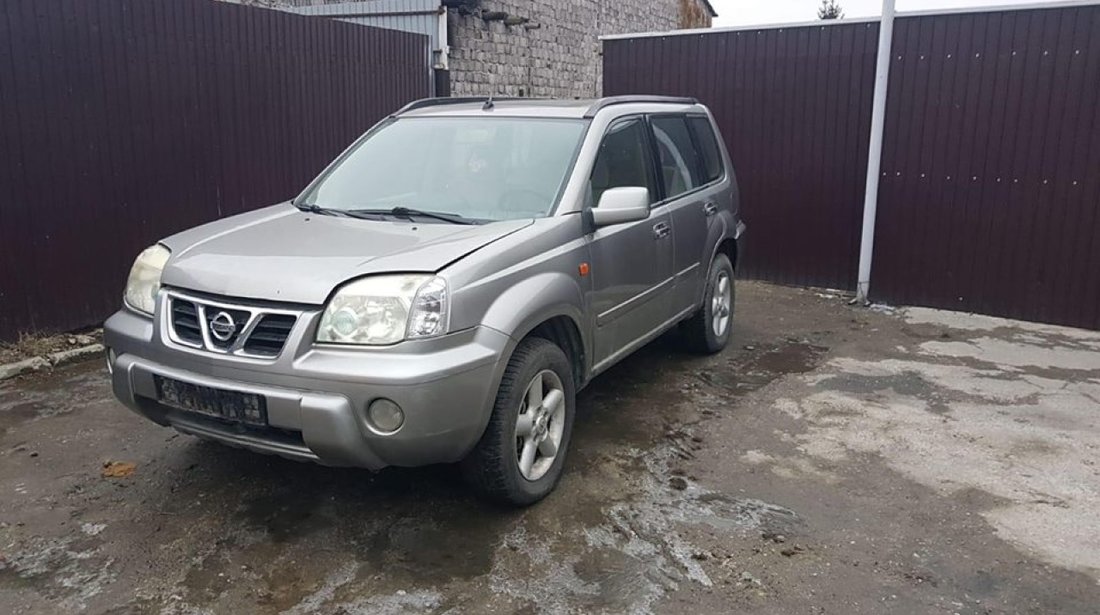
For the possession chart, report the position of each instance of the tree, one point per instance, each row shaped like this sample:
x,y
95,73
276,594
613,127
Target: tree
x,y
829,9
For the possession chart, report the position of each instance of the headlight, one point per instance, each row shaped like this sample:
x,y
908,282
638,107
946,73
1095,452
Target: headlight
x,y
144,281
386,309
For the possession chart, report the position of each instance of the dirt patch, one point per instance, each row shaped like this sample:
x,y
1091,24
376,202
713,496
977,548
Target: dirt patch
x,y
29,345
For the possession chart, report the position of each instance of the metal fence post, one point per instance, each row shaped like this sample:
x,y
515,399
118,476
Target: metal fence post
x,y
874,152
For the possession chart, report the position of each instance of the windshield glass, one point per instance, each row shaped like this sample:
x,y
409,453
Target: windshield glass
x,y
480,168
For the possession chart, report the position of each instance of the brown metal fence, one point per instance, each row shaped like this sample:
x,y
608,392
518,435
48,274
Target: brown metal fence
x,y
122,121
990,194
794,105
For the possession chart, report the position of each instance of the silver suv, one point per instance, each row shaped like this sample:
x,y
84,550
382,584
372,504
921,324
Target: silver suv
x,y
442,290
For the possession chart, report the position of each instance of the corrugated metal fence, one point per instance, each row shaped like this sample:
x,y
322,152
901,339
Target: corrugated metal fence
x,y
122,121
990,195
794,106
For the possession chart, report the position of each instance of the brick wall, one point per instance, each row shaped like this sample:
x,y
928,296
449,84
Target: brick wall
x,y
555,52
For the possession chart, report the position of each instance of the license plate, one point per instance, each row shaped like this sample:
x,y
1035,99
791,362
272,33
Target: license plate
x,y
229,405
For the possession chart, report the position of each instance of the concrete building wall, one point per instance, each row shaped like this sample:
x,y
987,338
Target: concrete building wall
x,y
549,48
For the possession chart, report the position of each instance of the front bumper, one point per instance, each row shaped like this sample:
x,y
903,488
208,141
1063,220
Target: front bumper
x,y
317,396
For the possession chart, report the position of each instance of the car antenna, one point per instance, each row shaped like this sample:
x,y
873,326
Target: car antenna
x,y
488,106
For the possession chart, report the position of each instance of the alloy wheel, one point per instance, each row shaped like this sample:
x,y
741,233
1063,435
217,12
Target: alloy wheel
x,y
540,425
721,303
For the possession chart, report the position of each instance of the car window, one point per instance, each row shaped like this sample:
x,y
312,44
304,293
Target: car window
x,y
623,160
680,166
708,147
482,168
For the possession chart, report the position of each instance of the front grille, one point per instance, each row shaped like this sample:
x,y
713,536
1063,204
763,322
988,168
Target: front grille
x,y
269,335
228,328
185,321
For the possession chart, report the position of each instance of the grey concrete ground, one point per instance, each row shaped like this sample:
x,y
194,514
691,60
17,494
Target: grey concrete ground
x,y
833,460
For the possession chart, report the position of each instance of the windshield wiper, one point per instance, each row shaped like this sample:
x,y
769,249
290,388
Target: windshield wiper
x,y
405,212
317,209
340,213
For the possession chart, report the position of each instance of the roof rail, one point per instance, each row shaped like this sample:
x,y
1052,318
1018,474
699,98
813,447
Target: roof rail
x,y
439,101
636,98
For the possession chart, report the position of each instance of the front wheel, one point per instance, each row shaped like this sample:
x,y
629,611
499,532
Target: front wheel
x,y
708,330
520,457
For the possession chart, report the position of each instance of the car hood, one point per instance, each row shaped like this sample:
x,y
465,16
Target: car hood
x,y
283,254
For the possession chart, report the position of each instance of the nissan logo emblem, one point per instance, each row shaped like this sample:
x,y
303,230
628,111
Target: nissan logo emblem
x,y
222,326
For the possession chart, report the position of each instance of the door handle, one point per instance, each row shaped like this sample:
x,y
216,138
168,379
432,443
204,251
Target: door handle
x,y
710,209
660,230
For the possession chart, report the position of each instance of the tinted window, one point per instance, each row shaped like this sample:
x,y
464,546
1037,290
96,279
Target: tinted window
x,y
485,168
680,166
623,160
708,146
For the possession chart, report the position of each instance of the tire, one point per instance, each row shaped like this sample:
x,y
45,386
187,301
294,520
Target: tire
x,y
700,332
494,467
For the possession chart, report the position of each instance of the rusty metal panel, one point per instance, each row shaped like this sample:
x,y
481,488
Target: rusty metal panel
x,y
794,106
122,121
990,194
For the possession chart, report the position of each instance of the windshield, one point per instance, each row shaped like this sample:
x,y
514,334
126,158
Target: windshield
x,y
479,168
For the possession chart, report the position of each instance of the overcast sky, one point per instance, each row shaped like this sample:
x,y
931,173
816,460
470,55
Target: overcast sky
x,y
754,12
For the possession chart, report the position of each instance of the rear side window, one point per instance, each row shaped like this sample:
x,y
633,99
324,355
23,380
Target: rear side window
x,y
623,160
680,166
708,147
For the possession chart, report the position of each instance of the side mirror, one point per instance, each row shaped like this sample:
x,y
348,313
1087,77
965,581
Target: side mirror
x,y
624,204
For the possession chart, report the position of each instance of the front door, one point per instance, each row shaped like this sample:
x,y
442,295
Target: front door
x,y
631,263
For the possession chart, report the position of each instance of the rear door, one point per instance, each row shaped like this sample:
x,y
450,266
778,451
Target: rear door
x,y
689,196
631,263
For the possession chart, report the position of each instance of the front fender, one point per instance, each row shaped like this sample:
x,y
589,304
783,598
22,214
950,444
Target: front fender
x,y
534,300
524,306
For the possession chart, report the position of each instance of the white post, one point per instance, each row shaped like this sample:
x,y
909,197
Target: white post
x,y
874,152
444,60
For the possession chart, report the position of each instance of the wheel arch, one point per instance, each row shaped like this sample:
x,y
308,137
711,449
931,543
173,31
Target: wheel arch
x,y
565,332
729,247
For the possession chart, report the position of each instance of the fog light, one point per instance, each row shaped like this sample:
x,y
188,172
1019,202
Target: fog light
x,y
385,415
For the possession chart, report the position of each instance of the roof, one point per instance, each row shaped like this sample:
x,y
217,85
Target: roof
x,y
709,7
529,107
